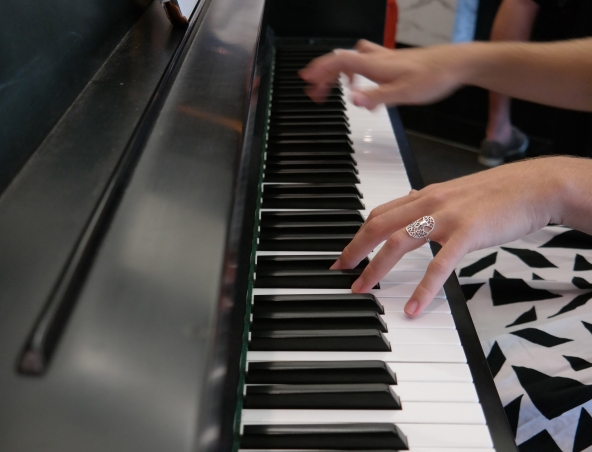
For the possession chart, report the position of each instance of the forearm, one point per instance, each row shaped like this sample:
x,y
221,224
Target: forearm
x,y
573,182
557,74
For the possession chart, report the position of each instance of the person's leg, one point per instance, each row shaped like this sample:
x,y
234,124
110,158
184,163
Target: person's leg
x,y
513,22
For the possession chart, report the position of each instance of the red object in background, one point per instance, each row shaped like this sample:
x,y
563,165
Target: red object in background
x,y
390,26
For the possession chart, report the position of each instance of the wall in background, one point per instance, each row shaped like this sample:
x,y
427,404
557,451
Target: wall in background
x,y
425,22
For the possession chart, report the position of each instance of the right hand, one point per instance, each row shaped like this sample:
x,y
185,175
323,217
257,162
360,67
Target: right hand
x,y
407,76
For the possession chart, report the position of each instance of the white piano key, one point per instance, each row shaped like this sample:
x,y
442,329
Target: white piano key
x,y
404,336
411,353
457,437
438,372
403,276
423,320
398,305
436,392
412,413
400,290
386,291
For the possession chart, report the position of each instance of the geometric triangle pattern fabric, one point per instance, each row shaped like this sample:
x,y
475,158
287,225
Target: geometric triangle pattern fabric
x,y
540,337
540,353
577,364
508,291
476,267
498,275
530,258
581,264
469,290
542,442
570,239
528,316
552,396
581,283
495,359
512,410
578,301
583,438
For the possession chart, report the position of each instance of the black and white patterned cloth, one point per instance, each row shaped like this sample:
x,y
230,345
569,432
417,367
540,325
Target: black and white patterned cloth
x,y
531,302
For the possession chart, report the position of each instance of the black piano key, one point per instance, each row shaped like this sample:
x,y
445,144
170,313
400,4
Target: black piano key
x,y
300,262
319,340
308,279
300,107
301,118
296,201
308,129
297,92
277,165
311,228
347,320
311,156
334,146
320,372
312,242
314,216
312,176
315,302
363,436
312,189
368,396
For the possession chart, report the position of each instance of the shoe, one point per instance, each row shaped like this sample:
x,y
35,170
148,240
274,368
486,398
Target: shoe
x,y
493,153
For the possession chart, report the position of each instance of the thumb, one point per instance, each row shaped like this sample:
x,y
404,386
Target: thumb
x,y
390,94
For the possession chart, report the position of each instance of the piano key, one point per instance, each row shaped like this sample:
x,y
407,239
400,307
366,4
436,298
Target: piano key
x,y
276,165
311,372
310,303
302,242
335,91
368,396
323,279
398,305
349,228
307,262
328,216
318,340
350,320
297,156
308,129
336,146
386,291
367,436
310,201
412,353
412,413
312,176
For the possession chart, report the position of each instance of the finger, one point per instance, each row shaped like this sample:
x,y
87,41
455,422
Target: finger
x,y
375,231
326,69
364,46
397,245
439,269
394,93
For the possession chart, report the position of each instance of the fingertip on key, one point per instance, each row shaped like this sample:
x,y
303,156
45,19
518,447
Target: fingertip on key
x,y
358,285
336,265
411,308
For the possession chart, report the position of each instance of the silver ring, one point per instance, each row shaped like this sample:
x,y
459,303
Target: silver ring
x,y
421,228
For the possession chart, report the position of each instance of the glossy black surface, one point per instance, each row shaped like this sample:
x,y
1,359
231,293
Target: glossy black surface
x,y
48,52
130,369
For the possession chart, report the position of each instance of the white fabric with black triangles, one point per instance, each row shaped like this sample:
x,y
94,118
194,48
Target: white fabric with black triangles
x,y
531,302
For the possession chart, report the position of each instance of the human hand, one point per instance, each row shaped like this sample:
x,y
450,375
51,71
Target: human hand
x,y
407,76
470,213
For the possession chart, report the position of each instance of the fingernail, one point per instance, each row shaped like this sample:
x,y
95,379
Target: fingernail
x,y
357,285
336,265
411,307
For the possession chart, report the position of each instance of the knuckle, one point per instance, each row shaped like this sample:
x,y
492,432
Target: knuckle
x,y
375,226
439,266
395,241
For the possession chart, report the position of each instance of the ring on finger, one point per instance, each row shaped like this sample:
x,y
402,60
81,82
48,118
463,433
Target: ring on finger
x,y
420,229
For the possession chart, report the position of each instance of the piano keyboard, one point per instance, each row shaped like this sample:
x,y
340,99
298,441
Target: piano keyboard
x,y
328,369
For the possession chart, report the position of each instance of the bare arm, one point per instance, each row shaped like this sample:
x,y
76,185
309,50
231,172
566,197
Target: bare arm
x,y
557,74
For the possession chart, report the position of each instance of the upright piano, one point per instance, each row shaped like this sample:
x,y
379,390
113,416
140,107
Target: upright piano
x,y
170,203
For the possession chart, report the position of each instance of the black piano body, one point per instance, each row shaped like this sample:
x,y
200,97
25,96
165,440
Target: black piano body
x,y
129,160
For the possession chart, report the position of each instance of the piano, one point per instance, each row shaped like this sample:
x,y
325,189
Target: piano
x,y
167,220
